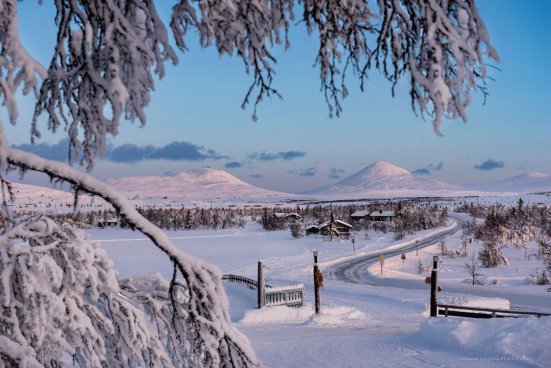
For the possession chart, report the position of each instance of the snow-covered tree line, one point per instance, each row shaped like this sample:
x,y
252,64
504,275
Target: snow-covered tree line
x,y
411,219
195,218
106,58
408,217
180,218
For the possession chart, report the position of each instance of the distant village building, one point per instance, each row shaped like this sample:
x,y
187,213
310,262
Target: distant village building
x,y
111,222
373,215
287,216
312,229
381,215
335,227
359,215
330,228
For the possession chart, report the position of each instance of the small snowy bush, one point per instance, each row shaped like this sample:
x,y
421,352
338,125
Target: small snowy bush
x,y
297,231
491,256
540,277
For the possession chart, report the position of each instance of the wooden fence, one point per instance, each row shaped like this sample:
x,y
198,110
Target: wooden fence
x,y
475,312
464,311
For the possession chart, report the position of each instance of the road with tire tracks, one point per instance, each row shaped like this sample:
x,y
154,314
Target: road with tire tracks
x,y
356,271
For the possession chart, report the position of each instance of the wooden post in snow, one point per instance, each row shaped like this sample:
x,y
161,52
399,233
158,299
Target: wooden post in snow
x,y
434,287
261,285
317,283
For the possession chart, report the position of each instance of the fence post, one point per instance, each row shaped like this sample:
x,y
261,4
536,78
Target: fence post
x,y
434,287
261,291
316,283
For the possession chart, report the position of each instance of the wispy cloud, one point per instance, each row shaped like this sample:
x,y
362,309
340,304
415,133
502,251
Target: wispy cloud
x,y
129,153
490,164
437,167
311,171
233,165
175,151
256,176
427,170
178,151
421,171
335,173
286,156
57,151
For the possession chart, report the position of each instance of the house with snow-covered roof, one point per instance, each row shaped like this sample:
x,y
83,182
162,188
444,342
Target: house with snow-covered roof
x,y
335,227
110,222
360,214
381,215
312,229
287,216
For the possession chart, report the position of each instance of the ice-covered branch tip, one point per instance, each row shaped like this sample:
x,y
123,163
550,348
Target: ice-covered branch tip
x,y
442,46
108,54
17,67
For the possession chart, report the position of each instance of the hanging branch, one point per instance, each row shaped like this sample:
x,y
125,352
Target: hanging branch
x,y
246,28
442,46
102,69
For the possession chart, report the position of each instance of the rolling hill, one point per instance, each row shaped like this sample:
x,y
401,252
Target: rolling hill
x,y
199,184
525,183
383,178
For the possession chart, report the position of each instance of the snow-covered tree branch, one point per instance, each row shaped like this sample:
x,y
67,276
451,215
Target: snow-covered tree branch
x,y
215,342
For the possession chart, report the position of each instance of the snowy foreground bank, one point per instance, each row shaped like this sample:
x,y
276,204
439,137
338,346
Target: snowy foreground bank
x,y
359,325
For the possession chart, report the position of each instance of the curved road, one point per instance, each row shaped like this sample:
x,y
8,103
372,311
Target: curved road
x,y
355,271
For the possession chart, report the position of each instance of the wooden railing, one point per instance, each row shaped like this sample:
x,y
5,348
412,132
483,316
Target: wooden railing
x,y
476,312
252,284
291,296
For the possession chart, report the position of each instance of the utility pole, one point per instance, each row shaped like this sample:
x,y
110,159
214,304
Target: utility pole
x,y
261,285
318,278
434,287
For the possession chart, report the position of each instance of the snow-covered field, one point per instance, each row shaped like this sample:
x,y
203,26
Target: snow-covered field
x,y
359,325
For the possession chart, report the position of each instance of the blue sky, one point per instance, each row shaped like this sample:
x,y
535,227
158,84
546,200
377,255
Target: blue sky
x,y
195,119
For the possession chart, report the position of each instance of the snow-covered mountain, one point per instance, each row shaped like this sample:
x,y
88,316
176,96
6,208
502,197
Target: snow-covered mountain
x,y
199,184
385,179
183,188
525,183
